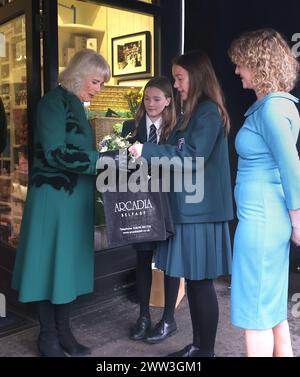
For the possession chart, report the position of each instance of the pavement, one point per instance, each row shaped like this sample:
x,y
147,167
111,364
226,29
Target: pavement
x,y
104,326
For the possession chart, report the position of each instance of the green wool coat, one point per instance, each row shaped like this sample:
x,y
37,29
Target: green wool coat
x,y
55,256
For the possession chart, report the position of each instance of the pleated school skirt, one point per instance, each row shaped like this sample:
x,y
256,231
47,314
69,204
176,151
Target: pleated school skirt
x,y
197,251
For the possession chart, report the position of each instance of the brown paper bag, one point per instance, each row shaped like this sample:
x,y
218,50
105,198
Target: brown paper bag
x,y
157,296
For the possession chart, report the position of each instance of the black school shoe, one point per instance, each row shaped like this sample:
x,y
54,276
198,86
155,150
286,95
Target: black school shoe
x,y
161,331
140,330
189,351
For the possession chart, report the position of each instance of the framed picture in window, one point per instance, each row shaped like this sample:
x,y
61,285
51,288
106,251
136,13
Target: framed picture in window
x,y
131,54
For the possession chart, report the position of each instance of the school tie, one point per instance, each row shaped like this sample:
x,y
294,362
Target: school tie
x,y
152,134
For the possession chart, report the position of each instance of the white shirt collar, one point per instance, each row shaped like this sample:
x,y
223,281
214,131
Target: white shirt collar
x,y
157,123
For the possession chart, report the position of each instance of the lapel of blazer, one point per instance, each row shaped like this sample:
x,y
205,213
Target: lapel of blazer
x,y
142,131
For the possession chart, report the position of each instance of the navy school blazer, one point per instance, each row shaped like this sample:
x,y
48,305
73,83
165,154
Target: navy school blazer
x,y
203,137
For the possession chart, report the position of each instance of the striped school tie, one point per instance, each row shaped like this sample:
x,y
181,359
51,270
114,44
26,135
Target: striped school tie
x,y
152,134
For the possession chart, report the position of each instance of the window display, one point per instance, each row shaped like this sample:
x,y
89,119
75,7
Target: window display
x,y
14,159
90,25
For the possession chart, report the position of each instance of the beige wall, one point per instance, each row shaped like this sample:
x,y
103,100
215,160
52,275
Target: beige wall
x,y
87,13
113,22
121,23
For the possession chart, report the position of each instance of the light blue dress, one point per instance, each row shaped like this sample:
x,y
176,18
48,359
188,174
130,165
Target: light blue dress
x,y
267,185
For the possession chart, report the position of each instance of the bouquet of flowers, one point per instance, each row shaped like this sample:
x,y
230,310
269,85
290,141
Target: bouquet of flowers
x,y
115,141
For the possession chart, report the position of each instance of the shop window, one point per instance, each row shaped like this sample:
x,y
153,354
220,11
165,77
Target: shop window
x,y
89,25
4,2
13,160
126,41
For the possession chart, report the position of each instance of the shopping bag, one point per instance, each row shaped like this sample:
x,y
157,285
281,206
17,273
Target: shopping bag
x,y
134,217
157,294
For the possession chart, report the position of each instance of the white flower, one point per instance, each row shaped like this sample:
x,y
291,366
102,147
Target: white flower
x,y
107,137
114,141
122,144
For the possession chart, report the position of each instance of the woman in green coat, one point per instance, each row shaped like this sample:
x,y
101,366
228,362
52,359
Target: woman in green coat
x,y
55,257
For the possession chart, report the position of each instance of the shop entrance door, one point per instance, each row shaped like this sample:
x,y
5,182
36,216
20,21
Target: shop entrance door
x,y
20,90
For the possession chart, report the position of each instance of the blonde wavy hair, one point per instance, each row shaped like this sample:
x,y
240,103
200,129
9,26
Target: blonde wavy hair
x,y
83,64
267,54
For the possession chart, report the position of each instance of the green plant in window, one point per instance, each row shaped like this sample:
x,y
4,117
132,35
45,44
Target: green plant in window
x,y
134,98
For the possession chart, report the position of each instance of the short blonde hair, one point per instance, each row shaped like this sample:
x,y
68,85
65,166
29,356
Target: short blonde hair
x,y
84,63
267,54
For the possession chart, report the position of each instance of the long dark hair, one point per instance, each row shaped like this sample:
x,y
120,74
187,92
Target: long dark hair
x,y
203,84
169,113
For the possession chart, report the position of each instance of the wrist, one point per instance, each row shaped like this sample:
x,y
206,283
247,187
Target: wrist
x,y
295,218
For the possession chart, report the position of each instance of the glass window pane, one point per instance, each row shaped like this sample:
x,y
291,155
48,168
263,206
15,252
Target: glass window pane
x,y
4,2
90,25
14,159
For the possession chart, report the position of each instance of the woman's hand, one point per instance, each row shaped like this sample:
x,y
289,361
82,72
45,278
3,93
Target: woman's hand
x,y
295,221
136,150
296,235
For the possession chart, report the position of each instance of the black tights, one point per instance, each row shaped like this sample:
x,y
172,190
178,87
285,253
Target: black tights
x,y
204,312
144,281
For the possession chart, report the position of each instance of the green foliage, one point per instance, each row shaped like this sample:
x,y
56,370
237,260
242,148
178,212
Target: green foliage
x,y
134,99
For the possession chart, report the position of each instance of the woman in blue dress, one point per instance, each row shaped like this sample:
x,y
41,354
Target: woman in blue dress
x,y
267,192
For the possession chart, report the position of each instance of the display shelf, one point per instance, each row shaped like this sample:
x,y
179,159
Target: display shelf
x,y
13,90
20,67
5,203
75,37
81,29
5,219
23,107
18,35
14,188
17,197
